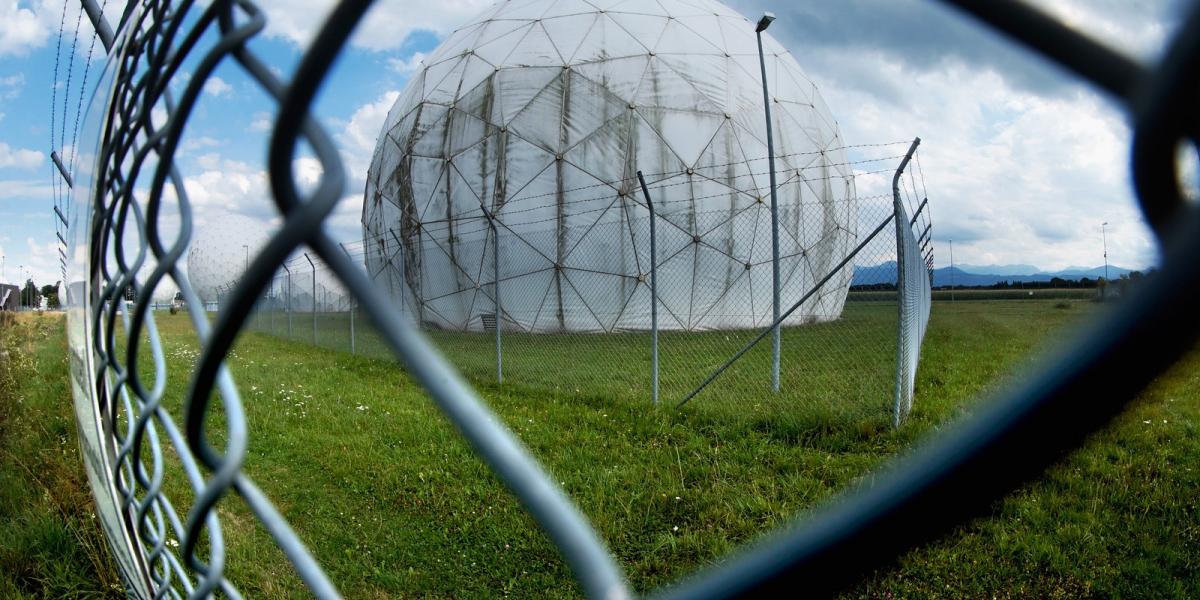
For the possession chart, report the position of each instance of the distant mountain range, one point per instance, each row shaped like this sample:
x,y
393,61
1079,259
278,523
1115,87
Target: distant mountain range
x,y
982,275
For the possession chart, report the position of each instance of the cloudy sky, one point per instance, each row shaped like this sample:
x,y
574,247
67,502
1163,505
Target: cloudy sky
x,y
1022,163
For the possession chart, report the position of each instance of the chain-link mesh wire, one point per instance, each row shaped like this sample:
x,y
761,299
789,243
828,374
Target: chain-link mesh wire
x,y
140,443
837,345
305,302
914,280
519,319
126,425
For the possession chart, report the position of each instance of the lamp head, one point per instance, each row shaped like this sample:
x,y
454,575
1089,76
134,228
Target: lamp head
x,y
764,22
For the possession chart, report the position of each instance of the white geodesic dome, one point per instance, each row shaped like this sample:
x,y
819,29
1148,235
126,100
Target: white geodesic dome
x,y
541,113
219,252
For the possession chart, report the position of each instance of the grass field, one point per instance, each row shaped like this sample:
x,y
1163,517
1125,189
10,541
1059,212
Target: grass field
x,y
846,366
50,544
392,502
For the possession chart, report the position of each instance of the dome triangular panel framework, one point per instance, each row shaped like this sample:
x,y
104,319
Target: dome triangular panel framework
x,y
542,112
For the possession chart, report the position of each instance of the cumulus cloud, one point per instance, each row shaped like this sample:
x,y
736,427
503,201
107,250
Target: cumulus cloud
x,y
19,158
386,25
407,66
345,222
27,26
216,87
1122,24
11,86
26,189
194,144
924,35
20,29
357,136
1014,177
218,186
227,185
307,171
41,261
1022,162
260,122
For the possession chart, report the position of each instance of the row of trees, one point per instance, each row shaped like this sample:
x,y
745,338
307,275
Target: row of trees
x,y
1126,279
31,295
1122,283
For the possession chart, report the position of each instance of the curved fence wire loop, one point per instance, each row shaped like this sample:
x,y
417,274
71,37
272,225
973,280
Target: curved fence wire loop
x,y
954,477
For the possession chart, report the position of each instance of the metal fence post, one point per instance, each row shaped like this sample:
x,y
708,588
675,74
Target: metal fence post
x,y
314,296
351,307
271,305
288,300
103,29
496,290
901,282
653,296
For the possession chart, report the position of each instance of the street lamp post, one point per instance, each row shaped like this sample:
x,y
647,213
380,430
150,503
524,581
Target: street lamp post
x,y
25,274
763,23
952,270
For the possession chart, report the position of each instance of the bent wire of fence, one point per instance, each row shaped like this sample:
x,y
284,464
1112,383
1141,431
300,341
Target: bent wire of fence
x,y
914,281
154,42
958,475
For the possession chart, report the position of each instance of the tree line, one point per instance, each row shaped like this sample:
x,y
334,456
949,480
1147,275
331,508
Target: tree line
x,y
1122,282
31,295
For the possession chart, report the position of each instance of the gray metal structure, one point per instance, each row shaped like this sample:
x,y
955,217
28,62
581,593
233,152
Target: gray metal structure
x,y
914,294
542,112
653,293
776,334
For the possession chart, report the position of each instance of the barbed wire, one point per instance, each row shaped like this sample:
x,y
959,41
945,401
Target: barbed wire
x,y
70,72
83,85
56,184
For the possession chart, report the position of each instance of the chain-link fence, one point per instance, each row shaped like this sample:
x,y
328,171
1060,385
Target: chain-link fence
x,y
118,368
496,305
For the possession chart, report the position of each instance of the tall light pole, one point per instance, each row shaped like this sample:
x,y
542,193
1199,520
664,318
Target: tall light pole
x,y
1104,240
25,272
246,263
951,270
763,23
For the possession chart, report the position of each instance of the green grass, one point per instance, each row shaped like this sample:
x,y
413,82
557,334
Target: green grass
x,y
50,543
845,366
392,502
1118,518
